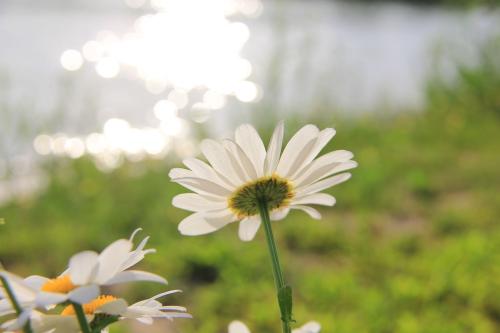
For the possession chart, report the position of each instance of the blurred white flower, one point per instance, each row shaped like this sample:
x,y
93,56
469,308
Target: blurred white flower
x,y
238,327
241,173
310,327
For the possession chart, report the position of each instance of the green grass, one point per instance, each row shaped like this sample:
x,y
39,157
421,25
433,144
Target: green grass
x,y
413,244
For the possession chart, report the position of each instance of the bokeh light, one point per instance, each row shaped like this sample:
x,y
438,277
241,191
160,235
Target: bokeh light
x,y
71,60
183,45
246,91
43,144
107,67
188,52
165,110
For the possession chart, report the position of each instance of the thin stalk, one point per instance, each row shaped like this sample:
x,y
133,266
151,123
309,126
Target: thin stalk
x,y
273,252
80,315
14,302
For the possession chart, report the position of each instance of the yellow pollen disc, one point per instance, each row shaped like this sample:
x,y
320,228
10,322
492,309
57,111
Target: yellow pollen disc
x,y
61,284
89,308
276,191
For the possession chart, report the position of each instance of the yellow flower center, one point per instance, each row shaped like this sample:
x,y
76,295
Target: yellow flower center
x,y
61,284
91,307
274,190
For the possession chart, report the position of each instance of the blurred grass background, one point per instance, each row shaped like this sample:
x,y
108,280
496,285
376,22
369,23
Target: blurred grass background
x,y
413,244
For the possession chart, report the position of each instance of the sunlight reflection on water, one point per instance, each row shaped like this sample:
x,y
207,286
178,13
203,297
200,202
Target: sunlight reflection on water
x,y
184,45
338,54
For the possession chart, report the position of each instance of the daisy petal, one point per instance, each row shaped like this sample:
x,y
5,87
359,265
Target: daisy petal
x,y
35,281
246,166
54,323
83,267
295,147
321,141
321,169
145,320
114,308
136,231
250,142
205,171
132,275
316,199
203,186
196,203
236,165
309,210
248,228
322,184
84,294
280,214
18,323
199,224
174,308
6,308
200,168
274,149
338,156
216,154
180,173
137,255
19,285
112,259
324,137
163,294
44,299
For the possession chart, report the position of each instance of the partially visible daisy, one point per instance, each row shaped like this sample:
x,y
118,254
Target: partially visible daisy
x,y
46,323
144,311
241,172
310,327
98,309
239,327
81,282
89,270
25,294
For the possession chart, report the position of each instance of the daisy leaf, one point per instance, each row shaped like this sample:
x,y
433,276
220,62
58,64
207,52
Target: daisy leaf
x,y
285,302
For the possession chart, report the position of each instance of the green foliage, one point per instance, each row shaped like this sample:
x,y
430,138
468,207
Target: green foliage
x,y
413,244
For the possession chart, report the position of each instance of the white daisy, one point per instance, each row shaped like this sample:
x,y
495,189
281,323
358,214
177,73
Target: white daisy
x,y
241,172
238,327
89,270
81,282
144,311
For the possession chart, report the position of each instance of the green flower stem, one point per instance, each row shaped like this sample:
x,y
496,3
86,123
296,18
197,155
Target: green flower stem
x,y
284,302
15,304
81,317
